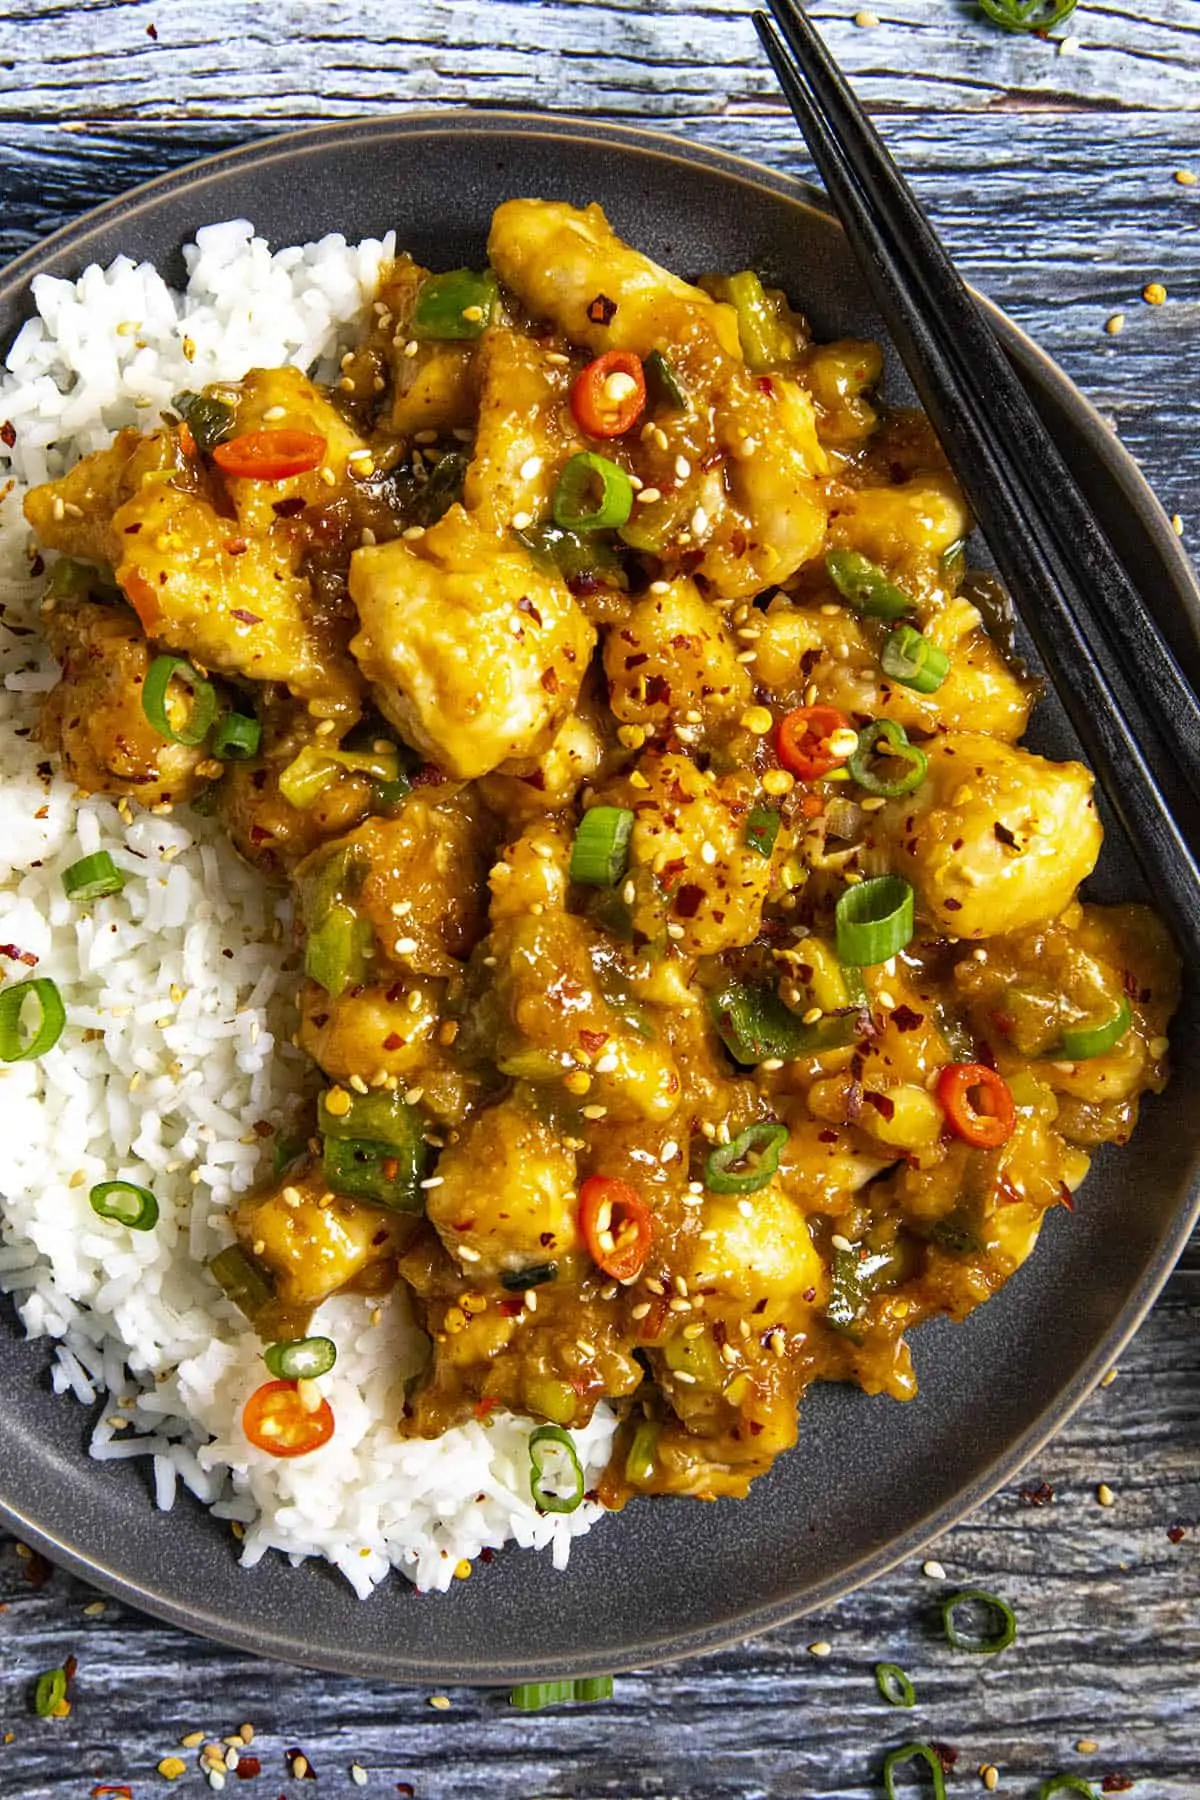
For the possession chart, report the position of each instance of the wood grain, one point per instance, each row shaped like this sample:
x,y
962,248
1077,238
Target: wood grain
x,y
296,60
1051,177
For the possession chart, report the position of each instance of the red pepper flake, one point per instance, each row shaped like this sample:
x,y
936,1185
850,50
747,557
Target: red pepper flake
x,y
393,1041
247,618
1176,1533
952,905
22,956
1115,1784
1065,1196
37,1572
688,900
152,32
8,433
593,1041
406,1787
289,508
905,1019
248,1767
484,1405
125,1793
525,605
38,565
884,1105
428,775
263,1128
549,680
1041,1495
602,310
658,691
765,385
508,1309
947,1755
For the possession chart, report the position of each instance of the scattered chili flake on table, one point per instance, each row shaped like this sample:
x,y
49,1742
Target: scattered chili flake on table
x,y
1041,1495
1116,1784
1177,1533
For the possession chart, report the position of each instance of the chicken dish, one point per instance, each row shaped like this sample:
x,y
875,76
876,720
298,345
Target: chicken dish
x,y
691,954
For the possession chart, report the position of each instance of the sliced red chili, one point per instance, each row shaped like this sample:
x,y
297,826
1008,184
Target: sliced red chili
x,y
978,1104
802,740
276,1419
270,455
603,399
616,1224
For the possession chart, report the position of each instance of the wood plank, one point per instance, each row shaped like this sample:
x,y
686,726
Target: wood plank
x,y
293,64
1109,1649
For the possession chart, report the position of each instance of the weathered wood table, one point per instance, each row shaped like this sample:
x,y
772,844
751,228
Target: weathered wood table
x,y
1050,169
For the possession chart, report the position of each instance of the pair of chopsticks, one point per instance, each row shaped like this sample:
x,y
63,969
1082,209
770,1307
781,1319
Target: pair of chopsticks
x,y
1136,717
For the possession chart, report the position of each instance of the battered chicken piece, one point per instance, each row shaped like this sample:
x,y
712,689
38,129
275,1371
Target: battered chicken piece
x,y
95,715
838,655
520,439
756,512
474,653
524,1212
673,661
313,1247
434,384
370,1030
993,840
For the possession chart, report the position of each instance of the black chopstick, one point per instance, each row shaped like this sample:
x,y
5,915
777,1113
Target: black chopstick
x,y
1035,466
1109,712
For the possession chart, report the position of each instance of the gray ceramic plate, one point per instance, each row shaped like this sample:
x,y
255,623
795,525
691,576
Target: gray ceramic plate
x,y
872,1480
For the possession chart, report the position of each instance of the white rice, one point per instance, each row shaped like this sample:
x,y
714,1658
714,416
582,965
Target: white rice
x,y
179,997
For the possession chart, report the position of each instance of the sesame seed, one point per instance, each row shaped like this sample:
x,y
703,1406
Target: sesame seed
x,y
989,1774
1087,1746
358,1774
433,1181
650,495
675,932
658,587
777,1341
700,524
820,1648
1105,1495
593,1112
778,782
866,21
412,532
1186,177
1177,524
770,1064
472,314
746,1208
933,1570
830,609
683,467
608,1064
1115,325
683,1375
440,1702
757,719
522,521
171,1768
640,1310
404,946
358,1084
748,446
1154,293
1107,1380
812,1015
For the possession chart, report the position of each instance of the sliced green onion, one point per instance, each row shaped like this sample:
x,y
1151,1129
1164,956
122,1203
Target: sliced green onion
x,y
757,1149
155,688
236,738
600,853
910,659
999,1639
72,580
1028,15
533,1695
301,1359
754,1025
593,494
92,877
1081,1042
912,1753
874,920
663,384
543,1443
457,304
335,953
1066,1784
517,1280
50,1692
313,769
865,585
762,828
243,1280
643,1451
765,340
884,742
51,1019
894,1685
125,1202
574,555
208,420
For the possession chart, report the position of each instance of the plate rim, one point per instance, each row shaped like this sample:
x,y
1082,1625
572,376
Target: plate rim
x,y
270,1641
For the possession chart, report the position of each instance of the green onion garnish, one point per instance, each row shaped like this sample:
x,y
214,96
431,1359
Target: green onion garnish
x,y
999,1639
52,1017
313,769
573,554
208,420
600,853
236,738
92,877
334,954
756,1150
301,1359
517,1280
593,494
874,920
243,1280
759,326
71,580
762,828
457,304
1066,1784
663,384
865,585
894,1685
159,676
912,1753
536,1694
754,1024
1028,15
362,1169
910,659
50,1692
543,1443
884,743
642,1457
125,1202
1081,1042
